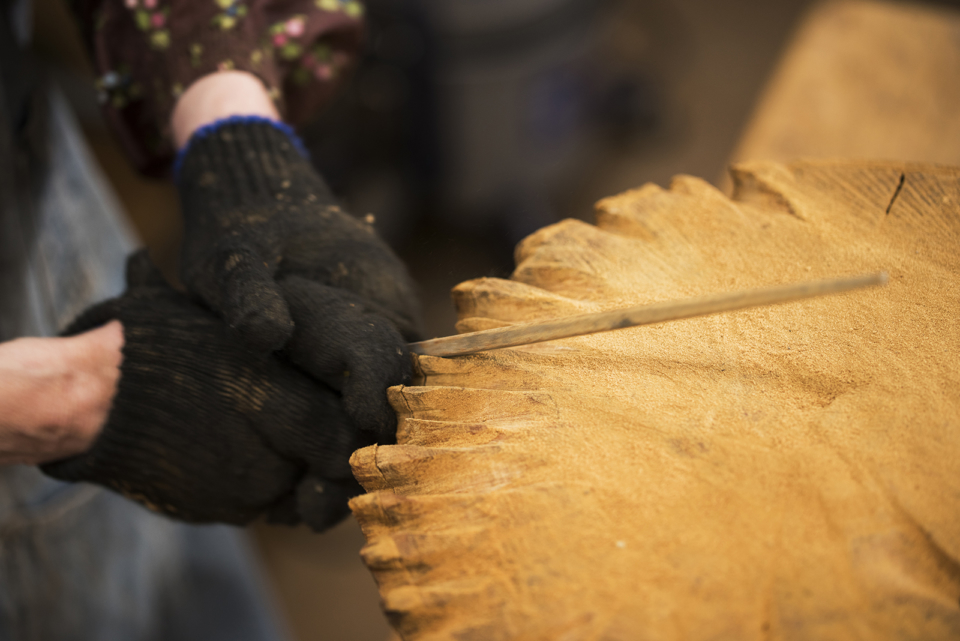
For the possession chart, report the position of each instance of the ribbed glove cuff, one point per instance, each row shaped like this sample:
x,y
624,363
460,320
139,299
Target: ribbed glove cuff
x,y
244,160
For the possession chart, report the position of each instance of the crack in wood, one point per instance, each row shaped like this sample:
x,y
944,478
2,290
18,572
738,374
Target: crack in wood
x,y
903,179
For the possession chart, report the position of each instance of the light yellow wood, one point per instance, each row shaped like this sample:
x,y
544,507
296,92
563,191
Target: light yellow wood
x,y
790,472
864,80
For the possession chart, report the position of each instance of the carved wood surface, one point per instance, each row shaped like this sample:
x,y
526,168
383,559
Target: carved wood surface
x,y
781,473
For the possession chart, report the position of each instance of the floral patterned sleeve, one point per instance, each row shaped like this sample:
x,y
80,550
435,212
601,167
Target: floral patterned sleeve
x,y
146,52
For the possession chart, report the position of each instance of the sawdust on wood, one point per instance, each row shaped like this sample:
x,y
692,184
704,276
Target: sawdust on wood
x,y
781,473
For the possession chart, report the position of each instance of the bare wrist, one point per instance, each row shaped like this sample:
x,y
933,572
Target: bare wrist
x,y
56,393
97,356
218,96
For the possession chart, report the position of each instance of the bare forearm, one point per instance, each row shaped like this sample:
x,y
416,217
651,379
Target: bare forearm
x,y
55,393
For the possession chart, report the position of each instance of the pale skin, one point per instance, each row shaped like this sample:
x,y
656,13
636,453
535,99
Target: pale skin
x,y
56,393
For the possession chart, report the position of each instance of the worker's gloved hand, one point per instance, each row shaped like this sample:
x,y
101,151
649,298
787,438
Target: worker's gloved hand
x,y
268,249
202,429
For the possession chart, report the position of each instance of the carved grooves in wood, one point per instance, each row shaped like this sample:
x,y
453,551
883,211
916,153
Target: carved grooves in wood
x,y
510,301
442,471
459,461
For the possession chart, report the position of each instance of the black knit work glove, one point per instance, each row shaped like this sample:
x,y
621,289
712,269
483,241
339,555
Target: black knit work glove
x,y
268,249
203,430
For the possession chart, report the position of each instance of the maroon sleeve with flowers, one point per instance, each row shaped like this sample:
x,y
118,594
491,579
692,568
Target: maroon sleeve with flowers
x,y
146,52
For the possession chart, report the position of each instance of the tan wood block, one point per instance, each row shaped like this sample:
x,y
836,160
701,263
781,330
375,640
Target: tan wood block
x,y
779,473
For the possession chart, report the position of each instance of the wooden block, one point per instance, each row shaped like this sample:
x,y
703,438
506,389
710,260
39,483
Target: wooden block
x,y
778,473
864,80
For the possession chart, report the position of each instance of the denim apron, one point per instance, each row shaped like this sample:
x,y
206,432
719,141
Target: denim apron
x,y
77,561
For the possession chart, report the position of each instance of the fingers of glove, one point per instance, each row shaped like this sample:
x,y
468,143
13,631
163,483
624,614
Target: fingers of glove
x,y
365,389
185,433
322,503
191,484
144,281
345,253
359,353
284,511
238,284
95,316
310,425
141,272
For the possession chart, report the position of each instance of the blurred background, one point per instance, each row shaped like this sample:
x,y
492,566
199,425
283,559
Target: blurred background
x,y
467,126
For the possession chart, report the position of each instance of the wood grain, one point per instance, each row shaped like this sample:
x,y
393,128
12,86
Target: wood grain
x,y
781,473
